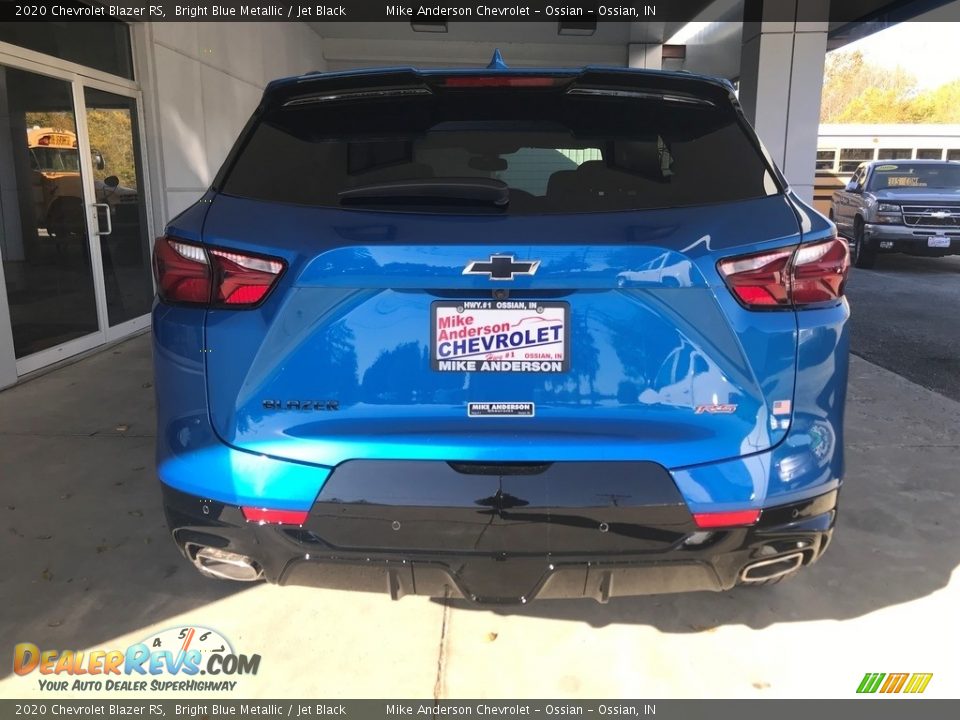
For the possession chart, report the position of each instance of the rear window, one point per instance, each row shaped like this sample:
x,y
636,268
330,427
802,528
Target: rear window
x,y
556,152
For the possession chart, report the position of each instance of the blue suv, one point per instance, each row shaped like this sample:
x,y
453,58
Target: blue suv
x,y
502,335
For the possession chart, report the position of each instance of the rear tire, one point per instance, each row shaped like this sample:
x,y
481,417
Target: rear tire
x,y
863,256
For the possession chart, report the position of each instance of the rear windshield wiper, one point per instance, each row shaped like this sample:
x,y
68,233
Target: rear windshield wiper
x,y
477,191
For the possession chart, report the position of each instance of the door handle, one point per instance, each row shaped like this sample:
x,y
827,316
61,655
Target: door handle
x,y
109,219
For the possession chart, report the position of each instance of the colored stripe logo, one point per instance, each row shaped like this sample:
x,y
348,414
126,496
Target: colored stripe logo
x,y
894,683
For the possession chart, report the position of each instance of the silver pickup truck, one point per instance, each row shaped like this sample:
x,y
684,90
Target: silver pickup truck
x,y
908,206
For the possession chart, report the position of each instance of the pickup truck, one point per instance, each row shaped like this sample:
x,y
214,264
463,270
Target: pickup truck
x,y
910,206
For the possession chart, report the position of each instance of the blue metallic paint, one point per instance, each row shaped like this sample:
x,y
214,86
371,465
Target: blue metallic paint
x,y
655,270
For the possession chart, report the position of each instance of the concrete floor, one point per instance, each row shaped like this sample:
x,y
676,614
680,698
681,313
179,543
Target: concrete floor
x,y
89,565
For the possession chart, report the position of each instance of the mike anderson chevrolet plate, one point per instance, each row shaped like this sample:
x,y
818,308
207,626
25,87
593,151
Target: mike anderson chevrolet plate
x,y
500,336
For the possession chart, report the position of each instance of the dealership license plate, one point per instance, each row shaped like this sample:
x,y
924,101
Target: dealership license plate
x,y
499,336
938,241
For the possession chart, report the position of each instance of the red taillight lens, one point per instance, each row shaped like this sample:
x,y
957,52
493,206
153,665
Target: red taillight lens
x,y
736,518
791,277
478,81
759,280
820,271
275,517
189,273
243,279
182,271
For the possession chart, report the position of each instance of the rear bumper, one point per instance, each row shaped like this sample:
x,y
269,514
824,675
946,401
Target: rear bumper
x,y
504,549
911,240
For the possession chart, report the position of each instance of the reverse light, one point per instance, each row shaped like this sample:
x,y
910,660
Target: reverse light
x,y
265,516
192,274
798,276
735,518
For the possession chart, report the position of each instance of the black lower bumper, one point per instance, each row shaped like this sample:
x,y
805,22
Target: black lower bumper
x,y
912,241
497,534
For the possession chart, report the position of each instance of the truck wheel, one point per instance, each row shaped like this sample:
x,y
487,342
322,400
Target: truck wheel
x,y
863,256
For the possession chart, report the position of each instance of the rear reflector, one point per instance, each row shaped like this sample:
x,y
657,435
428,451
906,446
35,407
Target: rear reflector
x,y
798,276
477,81
195,275
275,517
736,518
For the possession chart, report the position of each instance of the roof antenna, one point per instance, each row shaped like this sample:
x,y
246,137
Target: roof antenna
x,y
496,62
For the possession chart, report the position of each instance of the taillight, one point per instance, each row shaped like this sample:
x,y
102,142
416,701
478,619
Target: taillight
x,y
189,273
243,279
182,271
820,272
798,276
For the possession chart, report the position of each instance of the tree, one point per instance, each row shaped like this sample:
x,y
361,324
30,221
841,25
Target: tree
x,y
942,105
858,91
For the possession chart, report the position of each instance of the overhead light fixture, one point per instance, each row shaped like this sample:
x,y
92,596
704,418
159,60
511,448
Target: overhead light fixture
x,y
434,26
576,27
686,33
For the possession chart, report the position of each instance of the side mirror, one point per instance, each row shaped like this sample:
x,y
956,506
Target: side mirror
x,y
111,181
852,186
98,162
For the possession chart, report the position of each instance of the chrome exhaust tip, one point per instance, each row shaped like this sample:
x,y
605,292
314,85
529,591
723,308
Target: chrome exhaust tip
x,y
223,565
770,568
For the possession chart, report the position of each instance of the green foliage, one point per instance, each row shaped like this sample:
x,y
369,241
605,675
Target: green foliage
x,y
110,133
857,91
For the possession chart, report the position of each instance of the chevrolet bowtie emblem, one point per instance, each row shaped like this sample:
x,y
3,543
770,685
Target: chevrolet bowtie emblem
x,y
501,267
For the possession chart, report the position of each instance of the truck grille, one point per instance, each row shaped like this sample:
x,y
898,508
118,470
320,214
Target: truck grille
x,y
931,215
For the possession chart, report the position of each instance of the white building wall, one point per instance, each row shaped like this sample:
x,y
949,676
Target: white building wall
x,y
201,81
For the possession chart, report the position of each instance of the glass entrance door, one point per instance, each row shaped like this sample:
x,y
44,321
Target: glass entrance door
x,y
121,211
74,237
44,240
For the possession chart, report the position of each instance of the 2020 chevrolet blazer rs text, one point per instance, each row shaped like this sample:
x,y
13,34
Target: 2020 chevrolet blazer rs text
x,y
500,334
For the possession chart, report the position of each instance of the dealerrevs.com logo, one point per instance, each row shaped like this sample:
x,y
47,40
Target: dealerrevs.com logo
x,y
177,659
910,683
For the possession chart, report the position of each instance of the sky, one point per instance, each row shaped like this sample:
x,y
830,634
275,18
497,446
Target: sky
x,y
928,50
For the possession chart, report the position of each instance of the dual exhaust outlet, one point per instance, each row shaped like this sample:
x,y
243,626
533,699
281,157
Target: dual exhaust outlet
x,y
763,570
222,564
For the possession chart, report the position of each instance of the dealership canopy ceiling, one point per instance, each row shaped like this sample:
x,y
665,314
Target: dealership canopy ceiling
x,y
712,40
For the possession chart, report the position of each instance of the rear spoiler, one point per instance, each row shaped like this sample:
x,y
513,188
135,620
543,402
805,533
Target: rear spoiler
x,y
410,81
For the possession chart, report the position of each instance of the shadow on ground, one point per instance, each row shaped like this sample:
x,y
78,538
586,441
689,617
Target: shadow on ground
x,y
86,550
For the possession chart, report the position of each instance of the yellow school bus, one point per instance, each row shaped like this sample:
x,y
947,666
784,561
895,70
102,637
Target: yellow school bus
x,y
57,185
